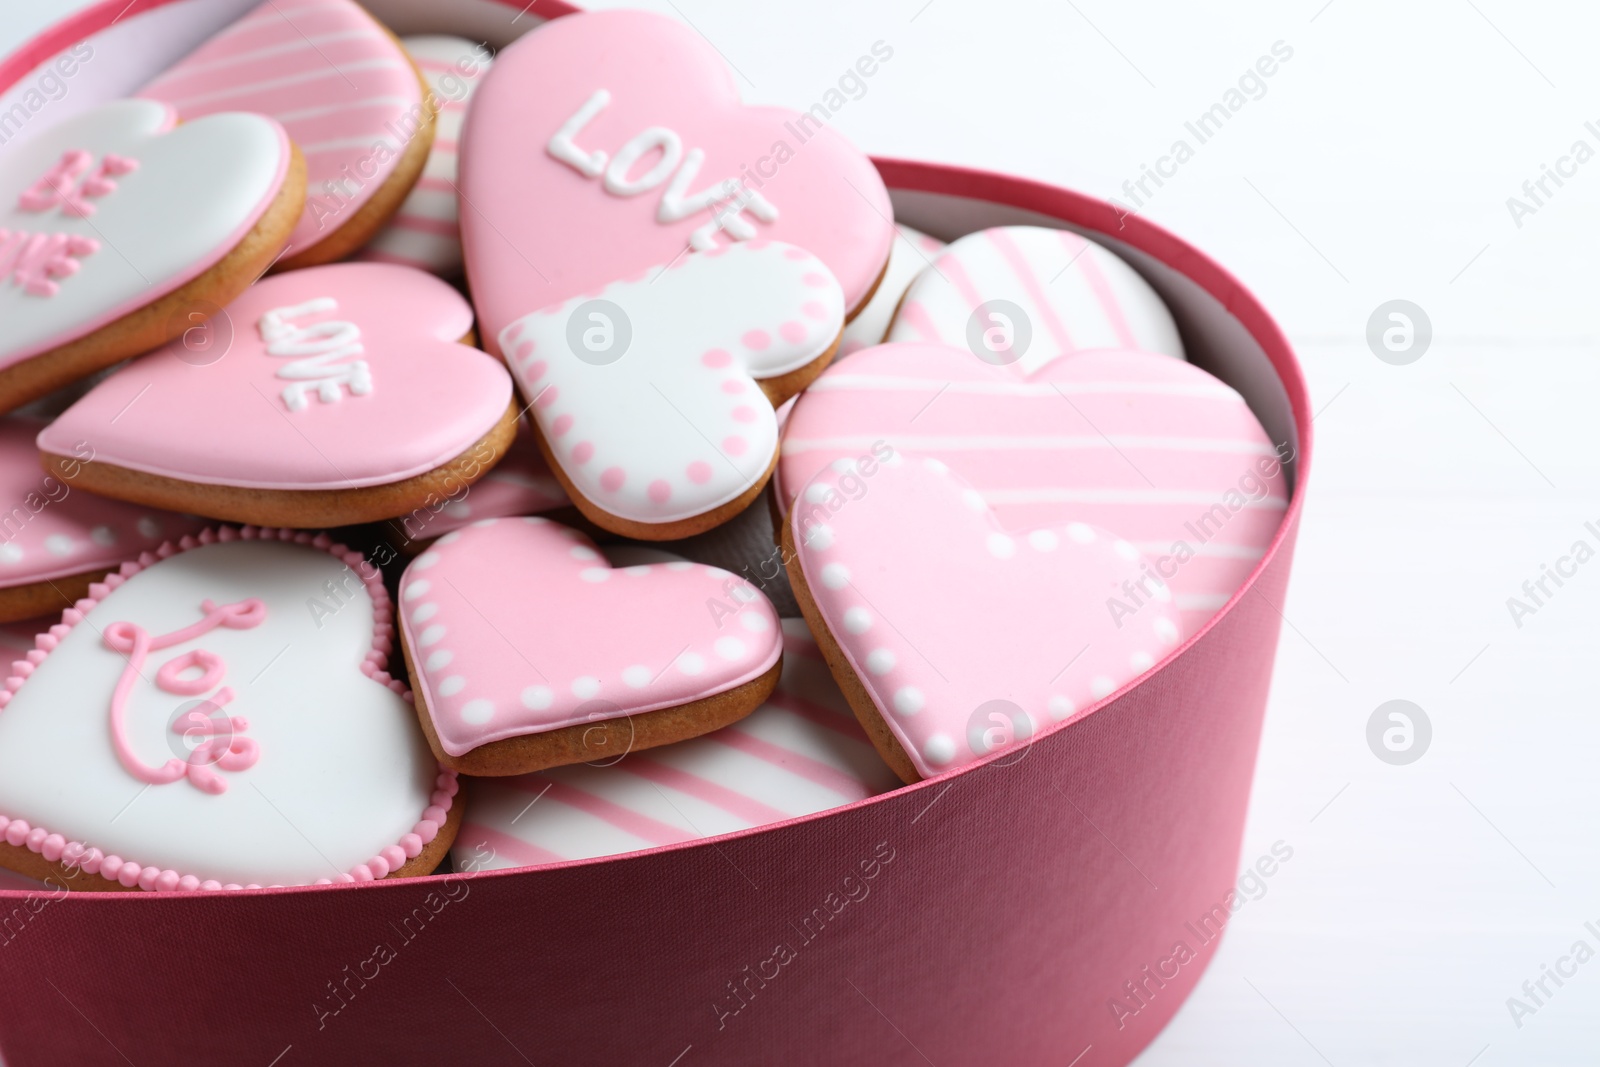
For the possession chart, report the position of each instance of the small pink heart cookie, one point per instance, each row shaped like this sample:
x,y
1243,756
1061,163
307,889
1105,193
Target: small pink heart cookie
x,y
192,725
426,233
609,142
341,397
1028,295
56,538
607,659
1154,448
120,229
653,397
951,635
348,95
800,752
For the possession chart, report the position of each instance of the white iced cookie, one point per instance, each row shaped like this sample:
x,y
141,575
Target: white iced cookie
x,y
1028,294
909,256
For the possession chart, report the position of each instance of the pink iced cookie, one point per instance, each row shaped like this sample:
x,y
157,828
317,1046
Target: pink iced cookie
x,y
910,255
118,226
192,725
346,92
425,233
653,397
800,752
951,635
1027,295
343,397
56,538
529,650
520,484
1152,447
612,141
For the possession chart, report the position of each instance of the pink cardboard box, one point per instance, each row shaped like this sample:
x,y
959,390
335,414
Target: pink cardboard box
x,y
997,914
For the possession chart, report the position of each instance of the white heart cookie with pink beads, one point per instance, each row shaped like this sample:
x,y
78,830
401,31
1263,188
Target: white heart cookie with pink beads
x,y
647,394
957,636
217,715
603,643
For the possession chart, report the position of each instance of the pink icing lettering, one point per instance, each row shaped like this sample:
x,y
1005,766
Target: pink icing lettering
x,y
726,200
222,749
35,260
61,187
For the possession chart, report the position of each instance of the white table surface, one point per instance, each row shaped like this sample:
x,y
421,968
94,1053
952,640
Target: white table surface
x,y
1376,166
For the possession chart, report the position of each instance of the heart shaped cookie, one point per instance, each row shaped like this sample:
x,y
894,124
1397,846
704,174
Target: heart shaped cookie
x,y
952,636
119,231
346,92
343,397
426,233
608,142
55,538
1028,295
1151,447
800,752
653,398
529,650
196,723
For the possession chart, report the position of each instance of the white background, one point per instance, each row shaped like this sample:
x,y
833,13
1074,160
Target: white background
x,y
1377,166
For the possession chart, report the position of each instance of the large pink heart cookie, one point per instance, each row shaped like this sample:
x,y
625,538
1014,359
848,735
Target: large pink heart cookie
x,y
55,537
653,397
952,636
1028,294
346,92
800,752
1151,447
529,650
608,142
119,230
343,397
192,725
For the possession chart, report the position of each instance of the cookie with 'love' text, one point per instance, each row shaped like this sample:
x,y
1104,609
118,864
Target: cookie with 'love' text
x,y
343,396
191,725
120,230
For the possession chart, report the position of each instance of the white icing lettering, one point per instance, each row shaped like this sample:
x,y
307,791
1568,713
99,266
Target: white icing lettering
x,y
314,352
563,146
636,148
727,200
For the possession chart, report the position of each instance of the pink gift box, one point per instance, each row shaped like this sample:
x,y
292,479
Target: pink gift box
x,y
1025,910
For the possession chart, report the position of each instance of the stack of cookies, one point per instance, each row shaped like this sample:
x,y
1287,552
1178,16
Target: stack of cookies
x,y
418,456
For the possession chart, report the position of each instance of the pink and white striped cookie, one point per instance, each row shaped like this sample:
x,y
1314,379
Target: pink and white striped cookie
x,y
909,256
56,538
801,752
1151,447
528,649
1027,294
426,233
348,95
653,397
951,636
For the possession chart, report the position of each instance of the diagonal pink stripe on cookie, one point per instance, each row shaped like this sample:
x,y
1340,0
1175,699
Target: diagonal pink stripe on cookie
x,y
641,826
504,845
1095,278
1019,265
813,770
736,804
